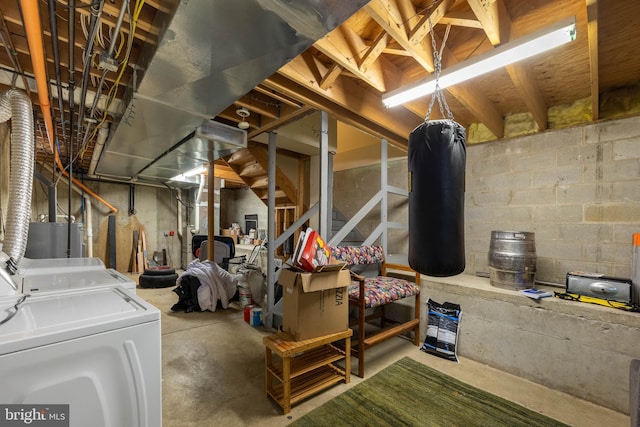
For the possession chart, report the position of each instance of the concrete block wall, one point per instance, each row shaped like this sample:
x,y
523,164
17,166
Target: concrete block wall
x,y
577,189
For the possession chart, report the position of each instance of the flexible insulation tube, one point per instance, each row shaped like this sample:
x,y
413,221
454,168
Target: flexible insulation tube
x,y
16,105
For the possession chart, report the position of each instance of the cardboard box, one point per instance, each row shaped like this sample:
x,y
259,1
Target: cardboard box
x,y
314,304
233,234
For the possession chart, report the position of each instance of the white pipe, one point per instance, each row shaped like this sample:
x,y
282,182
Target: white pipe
x,y
88,226
179,213
196,225
103,133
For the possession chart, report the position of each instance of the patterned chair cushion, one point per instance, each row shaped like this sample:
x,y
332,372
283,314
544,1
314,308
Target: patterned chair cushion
x,y
383,290
358,255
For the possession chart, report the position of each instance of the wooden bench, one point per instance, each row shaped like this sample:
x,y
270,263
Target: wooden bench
x,y
374,293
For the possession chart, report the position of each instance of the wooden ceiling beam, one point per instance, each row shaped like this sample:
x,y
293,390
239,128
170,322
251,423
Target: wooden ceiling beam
x,y
494,19
319,100
287,116
352,96
497,26
277,96
373,52
344,47
391,16
265,109
331,76
461,19
592,30
387,14
422,28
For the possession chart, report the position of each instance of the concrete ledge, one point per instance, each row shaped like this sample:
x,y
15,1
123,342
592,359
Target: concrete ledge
x,y
581,349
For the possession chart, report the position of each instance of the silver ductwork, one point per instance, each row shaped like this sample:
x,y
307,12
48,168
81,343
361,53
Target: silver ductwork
x,y
16,105
210,54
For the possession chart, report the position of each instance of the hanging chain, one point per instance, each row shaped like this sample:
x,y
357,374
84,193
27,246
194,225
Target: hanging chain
x,y
437,64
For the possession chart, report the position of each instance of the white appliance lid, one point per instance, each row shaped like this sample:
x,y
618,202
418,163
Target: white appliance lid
x,y
51,318
58,280
39,265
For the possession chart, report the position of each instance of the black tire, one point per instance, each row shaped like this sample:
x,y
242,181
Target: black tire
x,y
163,281
161,270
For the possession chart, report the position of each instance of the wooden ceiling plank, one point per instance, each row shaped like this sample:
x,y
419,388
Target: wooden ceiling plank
x,y
353,97
316,69
592,30
497,24
394,48
270,125
320,101
331,76
257,106
531,94
277,96
343,46
494,19
461,19
421,29
387,15
480,106
374,51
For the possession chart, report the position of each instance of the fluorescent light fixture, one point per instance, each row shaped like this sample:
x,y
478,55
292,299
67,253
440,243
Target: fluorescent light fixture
x,y
183,177
540,41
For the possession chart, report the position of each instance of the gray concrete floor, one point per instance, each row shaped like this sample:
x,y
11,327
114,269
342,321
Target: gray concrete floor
x,y
213,374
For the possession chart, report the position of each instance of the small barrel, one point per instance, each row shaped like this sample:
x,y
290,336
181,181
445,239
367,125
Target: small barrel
x,y
512,259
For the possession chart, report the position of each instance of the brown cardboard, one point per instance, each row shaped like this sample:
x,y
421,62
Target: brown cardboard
x,y
231,233
314,304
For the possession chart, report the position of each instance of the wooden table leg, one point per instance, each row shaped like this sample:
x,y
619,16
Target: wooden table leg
x,y
286,384
267,375
347,360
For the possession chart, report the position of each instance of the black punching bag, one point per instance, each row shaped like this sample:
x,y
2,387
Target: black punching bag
x,y
437,157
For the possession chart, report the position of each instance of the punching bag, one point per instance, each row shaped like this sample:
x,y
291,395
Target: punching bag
x,y
436,163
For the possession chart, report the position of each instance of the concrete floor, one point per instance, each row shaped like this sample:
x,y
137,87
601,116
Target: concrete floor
x,y
213,374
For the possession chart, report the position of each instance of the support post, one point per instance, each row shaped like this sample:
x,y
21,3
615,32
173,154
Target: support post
x,y
384,203
271,226
211,214
324,175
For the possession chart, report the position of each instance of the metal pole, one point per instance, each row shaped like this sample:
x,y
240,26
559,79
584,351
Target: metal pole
x,y
324,174
385,194
271,230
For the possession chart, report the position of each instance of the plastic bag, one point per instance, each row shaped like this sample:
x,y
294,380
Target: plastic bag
x,y
442,329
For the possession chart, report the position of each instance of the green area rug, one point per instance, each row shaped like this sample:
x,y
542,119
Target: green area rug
x,y
411,394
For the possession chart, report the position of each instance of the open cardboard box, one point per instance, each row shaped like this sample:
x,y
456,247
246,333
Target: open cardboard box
x,y
315,304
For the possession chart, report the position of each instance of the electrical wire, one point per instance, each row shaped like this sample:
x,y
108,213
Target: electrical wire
x,y
113,91
15,308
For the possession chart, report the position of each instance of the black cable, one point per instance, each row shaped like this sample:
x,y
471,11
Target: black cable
x,y
16,308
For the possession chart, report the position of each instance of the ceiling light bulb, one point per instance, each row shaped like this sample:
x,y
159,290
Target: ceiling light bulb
x,y
243,125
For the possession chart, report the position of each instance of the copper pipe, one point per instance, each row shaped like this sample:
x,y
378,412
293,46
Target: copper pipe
x,y
33,30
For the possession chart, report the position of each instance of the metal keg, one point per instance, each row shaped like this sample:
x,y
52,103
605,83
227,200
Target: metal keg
x,y
512,259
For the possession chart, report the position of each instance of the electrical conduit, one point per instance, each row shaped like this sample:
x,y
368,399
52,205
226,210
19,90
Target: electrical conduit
x,y
34,36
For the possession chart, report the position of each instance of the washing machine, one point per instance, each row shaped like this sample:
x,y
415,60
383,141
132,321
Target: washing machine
x,y
95,349
63,274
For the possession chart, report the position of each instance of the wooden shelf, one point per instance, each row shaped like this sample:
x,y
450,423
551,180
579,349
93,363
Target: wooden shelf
x,y
308,384
309,361
304,368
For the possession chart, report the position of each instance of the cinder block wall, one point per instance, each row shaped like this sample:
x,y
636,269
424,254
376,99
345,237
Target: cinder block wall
x,y
577,189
